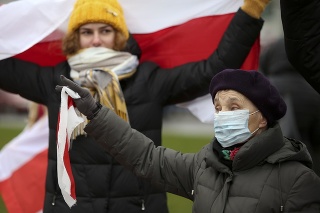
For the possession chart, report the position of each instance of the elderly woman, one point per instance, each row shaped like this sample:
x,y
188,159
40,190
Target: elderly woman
x,y
248,167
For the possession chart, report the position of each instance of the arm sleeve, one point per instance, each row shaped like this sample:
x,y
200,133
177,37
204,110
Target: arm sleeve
x,y
301,26
27,79
165,168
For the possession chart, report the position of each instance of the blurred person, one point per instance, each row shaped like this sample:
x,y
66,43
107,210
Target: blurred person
x,y
301,27
301,121
248,167
104,58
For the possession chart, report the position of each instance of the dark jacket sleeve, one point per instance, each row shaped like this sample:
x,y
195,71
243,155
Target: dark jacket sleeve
x,y
33,82
301,26
168,169
191,80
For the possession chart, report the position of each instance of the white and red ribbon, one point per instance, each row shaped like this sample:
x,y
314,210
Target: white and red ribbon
x,y
68,120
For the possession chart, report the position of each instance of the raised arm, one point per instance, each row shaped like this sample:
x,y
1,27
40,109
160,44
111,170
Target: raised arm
x,y
191,80
29,80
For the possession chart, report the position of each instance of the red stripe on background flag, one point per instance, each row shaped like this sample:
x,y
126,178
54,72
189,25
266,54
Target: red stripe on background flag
x,y
192,41
23,166
198,38
44,53
24,191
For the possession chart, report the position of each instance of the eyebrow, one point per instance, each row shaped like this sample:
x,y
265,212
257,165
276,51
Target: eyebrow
x,y
88,28
230,99
233,99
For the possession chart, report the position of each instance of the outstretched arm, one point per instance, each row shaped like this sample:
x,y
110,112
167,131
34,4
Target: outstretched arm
x,y
301,26
166,168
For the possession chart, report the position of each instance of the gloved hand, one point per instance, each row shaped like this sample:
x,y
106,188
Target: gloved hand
x,y
86,103
254,8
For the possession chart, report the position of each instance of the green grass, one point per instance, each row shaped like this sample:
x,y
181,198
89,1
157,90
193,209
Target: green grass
x,y
178,142
6,134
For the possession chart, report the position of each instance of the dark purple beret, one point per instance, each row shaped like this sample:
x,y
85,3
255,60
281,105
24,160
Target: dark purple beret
x,y
256,87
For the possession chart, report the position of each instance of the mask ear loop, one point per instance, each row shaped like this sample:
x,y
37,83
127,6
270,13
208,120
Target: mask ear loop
x,y
254,112
255,131
258,127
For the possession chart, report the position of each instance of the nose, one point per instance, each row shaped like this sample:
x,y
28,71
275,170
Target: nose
x,y
96,41
224,108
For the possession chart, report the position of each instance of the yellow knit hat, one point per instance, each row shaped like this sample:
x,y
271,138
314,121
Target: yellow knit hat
x,y
102,11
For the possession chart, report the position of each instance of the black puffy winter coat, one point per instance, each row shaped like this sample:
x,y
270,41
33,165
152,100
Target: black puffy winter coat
x,y
102,185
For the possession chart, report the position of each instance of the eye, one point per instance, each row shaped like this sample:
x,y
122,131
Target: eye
x,y
234,108
85,32
106,30
217,108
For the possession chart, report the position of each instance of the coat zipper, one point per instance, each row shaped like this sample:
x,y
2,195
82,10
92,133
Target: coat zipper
x,y
54,200
142,206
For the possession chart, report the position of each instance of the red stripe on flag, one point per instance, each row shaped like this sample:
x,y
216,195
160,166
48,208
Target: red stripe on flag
x,y
18,190
66,157
66,162
192,41
70,102
44,53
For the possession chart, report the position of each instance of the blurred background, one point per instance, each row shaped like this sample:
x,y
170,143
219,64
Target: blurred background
x,y
182,131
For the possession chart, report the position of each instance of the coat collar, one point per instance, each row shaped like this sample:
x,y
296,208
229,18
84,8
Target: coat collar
x,y
253,152
270,146
257,149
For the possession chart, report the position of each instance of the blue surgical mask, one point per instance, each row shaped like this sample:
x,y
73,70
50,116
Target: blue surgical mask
x,y
231,127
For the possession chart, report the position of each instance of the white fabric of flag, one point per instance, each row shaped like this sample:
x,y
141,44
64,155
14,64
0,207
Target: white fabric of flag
x,y
68,121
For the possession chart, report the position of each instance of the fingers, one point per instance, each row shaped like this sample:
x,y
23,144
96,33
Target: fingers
x,y
69,83
58,88
73,86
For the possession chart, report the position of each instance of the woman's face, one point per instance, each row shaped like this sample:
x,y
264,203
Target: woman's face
x,y
97,35
230,100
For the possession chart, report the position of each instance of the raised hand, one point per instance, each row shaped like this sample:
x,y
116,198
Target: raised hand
x,y
86,103
254,8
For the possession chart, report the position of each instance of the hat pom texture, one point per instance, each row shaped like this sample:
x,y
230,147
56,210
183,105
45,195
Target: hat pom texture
x,y
256,87
101,11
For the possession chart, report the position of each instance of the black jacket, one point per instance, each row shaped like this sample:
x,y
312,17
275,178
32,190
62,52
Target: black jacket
x,y
102,185
299,122
301,27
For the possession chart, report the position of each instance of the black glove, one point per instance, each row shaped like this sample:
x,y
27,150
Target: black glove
x,y
86,103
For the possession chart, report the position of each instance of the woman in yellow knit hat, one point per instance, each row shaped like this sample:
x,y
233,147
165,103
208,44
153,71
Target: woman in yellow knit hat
x,y
97,47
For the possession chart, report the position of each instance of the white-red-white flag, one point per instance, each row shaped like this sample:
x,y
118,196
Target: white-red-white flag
x,y
168,32
68,120
23,164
